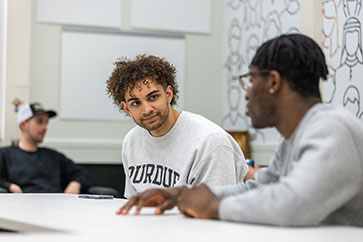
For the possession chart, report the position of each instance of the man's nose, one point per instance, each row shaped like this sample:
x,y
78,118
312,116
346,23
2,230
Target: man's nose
x,y
146,108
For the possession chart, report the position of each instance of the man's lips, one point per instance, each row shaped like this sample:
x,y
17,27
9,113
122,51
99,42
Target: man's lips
x,y
150,118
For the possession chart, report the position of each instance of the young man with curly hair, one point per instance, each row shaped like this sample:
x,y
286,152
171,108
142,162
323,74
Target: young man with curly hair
x,y
316,174
168,147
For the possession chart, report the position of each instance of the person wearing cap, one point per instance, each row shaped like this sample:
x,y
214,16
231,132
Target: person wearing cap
x,y
316,174
32,169
168,147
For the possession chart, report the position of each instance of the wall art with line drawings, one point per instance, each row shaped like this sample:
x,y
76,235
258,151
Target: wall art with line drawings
x,y
247,24
342,45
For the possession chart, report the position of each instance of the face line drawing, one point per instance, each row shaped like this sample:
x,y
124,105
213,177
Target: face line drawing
x,y
253,18
351,98
351,25
333,47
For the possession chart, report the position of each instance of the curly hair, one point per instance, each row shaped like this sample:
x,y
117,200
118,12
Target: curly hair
x,y
297,58
128,73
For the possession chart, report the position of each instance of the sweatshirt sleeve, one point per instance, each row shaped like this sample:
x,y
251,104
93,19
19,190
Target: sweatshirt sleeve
x,y
264,176
318,184
130,190
219,163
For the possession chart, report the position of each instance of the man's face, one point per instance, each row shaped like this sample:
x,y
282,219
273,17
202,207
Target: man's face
x,y
259,100
148,104
36,127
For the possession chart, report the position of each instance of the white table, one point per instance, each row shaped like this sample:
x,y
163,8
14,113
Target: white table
x,y
61,217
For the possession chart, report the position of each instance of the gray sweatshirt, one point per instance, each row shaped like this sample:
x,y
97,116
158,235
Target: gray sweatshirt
x,y
194,151
315,176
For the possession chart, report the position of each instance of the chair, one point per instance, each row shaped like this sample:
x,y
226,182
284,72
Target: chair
x,y
243,140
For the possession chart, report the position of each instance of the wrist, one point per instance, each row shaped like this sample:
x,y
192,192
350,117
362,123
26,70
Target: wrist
x,y
180,190
177,191
214,208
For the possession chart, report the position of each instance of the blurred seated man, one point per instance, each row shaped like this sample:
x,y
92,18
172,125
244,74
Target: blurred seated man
x,y
31,169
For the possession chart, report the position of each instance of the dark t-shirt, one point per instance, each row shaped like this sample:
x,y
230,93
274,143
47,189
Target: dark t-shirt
x,y
44,170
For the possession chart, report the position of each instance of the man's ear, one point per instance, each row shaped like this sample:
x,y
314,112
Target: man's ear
x,y
169,93
274,82
22,125
125,108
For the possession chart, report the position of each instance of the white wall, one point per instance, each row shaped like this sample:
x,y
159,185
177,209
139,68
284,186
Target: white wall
x,y
80,138
33,70
307,19
17,63
3,25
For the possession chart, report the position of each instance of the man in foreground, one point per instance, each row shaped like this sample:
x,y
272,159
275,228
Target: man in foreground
x,y
32,169
316,174
168,147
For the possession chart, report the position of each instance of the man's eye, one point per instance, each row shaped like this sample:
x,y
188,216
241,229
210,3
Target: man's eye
x,y
134,104
153,97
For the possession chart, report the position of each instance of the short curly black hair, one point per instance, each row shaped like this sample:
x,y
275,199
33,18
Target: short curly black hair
x,y
297,58
127,73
